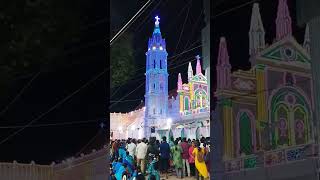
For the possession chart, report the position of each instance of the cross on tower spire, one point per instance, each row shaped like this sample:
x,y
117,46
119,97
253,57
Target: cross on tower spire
x,y
157,20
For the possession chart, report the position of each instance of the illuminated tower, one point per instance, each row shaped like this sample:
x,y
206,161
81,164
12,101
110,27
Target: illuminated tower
x,y
156,95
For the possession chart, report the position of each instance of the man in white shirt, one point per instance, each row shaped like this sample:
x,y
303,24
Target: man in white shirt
x,y
131,148
141,152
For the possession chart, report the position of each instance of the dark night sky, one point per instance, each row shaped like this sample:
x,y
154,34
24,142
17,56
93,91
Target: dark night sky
x,y
235,26
172,15
46,144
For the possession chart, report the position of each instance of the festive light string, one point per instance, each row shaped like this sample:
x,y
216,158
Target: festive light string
x,y
122,30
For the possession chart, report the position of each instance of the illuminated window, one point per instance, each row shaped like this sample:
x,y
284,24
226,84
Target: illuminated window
x,y
161,48
153,48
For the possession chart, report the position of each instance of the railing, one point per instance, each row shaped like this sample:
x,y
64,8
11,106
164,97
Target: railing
x,y
279,156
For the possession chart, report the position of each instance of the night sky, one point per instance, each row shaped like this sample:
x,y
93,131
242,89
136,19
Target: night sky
x,y
172,16
235,26
47,144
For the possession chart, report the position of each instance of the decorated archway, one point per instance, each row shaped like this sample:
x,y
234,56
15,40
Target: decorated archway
x,y
246,132
290,117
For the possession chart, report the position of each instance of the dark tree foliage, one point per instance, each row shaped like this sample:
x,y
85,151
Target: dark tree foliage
x,y
34,33
122,60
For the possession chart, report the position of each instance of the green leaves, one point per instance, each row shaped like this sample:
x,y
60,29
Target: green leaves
x,y
122,60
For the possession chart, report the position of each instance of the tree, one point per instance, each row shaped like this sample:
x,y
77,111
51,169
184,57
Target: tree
x,y
122,60
34,34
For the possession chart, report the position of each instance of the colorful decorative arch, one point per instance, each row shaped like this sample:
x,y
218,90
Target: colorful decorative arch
x,y
245,127
278,97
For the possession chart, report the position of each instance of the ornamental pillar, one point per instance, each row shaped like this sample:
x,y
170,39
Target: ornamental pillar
x,y
261,119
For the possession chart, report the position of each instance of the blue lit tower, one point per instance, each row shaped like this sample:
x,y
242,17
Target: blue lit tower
x,y
156,96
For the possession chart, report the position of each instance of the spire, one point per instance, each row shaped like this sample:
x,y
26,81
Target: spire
x,y
156,26
306,43
179,82
198,68
190,72
283,20
256,33
223,66
223,56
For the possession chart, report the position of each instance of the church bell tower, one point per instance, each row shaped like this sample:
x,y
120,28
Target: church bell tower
x,y
156,92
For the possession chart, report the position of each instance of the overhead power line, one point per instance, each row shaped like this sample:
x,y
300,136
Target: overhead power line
x,y
52,124
121,31
53,107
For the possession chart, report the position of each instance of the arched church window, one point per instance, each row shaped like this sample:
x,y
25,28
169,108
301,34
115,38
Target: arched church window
x,y
161,87
154,86
160,111
245,133
282,136
154,64
160,64
186,104
154,110
300,124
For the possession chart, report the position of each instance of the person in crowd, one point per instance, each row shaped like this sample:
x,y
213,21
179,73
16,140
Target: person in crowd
x,y
164,157
177,158
140,175
201,168
131,147
185,156
115,147
171,142
191,159
122,151
152,148
189,141
141,152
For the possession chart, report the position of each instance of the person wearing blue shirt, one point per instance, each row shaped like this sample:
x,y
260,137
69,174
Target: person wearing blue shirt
x,y
164,156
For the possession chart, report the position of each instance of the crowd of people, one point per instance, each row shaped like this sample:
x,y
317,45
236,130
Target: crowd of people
x,y
151,159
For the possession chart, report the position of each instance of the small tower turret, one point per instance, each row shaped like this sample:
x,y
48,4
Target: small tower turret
x,y
198,68
190,72
283,21
179,82
306,43
256,33
223,66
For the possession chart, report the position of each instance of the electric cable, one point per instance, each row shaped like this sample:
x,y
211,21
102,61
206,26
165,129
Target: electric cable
x,y
181,32
50,124
53,107
122,30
